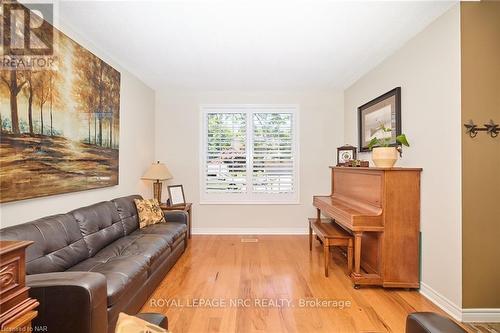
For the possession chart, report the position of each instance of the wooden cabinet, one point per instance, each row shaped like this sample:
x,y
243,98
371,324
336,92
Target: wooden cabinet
x,y
17,309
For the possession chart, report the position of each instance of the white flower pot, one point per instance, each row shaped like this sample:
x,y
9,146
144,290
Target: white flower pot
x,y
384,157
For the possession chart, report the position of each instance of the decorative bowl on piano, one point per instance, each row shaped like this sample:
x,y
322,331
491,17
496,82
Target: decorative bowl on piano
x,y
384,157
384,152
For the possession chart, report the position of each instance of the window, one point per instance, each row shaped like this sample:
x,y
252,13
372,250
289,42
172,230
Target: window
x,y
249,154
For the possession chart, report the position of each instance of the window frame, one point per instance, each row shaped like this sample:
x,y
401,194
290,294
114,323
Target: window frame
x,y
249,197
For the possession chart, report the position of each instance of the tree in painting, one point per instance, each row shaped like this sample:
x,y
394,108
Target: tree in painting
x,y
97,91
60,125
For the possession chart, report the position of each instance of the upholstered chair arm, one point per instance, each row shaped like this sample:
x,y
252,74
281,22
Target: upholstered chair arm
x,y
429,322
73,302
176,216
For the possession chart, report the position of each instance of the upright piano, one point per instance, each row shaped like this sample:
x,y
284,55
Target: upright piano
x,y
381,208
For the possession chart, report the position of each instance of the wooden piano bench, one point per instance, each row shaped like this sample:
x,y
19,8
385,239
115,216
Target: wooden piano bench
x,y
331,234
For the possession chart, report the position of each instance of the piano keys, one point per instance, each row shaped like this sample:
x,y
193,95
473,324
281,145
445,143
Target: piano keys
x,y
381,208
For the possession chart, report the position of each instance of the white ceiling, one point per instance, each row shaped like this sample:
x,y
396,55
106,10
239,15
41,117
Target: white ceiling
x,y
249,45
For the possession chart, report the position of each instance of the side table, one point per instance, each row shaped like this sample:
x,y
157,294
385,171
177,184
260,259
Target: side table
x,y
17,309
187,207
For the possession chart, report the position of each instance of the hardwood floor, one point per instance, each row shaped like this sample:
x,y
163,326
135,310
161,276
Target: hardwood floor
x,y
485,327
281,273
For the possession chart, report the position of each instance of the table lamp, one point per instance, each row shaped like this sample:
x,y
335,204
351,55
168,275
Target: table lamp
x,y
157,172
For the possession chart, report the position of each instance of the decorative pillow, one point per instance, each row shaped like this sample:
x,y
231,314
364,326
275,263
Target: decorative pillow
x,y
131,324
149,212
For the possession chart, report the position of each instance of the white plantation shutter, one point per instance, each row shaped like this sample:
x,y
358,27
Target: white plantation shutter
x,y
273,153
226,169
249,154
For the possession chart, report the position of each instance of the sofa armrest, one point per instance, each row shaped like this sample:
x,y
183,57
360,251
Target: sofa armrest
x,y
425,322
176,216
70,301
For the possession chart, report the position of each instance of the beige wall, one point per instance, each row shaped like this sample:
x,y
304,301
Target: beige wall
x,y
428,70
136,152
481,156
178,131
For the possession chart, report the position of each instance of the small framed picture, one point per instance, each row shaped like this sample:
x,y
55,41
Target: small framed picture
x,y
383,112
345,153
176,194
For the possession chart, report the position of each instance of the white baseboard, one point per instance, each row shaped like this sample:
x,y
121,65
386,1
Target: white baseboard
x,y
463,315
481,315
250,231
444,303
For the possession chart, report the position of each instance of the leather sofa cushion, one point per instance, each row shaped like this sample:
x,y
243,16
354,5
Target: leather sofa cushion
x,y
58,243
123,274
170,230
151,247
100,225
128,212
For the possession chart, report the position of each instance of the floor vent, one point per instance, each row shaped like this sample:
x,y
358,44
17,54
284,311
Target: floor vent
x,y
249,240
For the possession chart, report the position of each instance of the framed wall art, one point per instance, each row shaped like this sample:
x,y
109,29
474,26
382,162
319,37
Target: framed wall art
x,y
59,122
383,112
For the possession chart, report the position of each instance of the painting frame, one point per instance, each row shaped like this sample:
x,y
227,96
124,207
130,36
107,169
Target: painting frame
x,y
175,192
386,107
62,132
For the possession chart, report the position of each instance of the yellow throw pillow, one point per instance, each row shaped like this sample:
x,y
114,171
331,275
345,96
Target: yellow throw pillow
x,y
131,324
149,212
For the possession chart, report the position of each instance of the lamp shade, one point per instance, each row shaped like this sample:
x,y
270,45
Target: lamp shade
x,y
157,171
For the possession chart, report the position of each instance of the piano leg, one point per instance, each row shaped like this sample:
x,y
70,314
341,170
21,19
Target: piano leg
x,y
326,250
357,254
349,256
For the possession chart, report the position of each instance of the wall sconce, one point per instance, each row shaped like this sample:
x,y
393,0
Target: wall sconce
x,y
490,128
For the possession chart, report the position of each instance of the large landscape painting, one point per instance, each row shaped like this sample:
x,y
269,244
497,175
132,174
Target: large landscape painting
x,y
59,125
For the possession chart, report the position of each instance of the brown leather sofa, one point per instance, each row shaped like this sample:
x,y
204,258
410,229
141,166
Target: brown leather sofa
x,y
94,262
430,322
